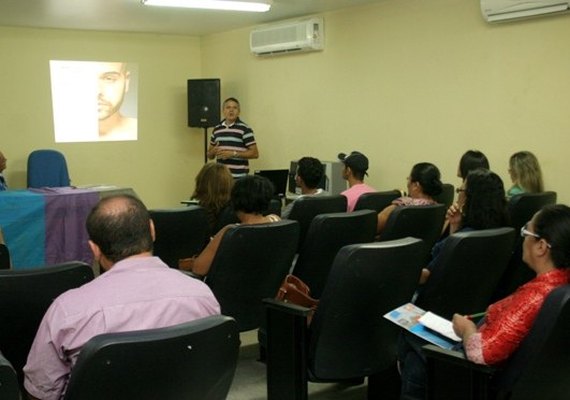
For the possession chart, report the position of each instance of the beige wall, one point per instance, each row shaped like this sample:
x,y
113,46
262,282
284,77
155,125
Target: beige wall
x,y
402,81
406,82
160,166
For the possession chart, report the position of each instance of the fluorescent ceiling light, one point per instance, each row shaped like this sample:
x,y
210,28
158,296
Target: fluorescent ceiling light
x,y
254,6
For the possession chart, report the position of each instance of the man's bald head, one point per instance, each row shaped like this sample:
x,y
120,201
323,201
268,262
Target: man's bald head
x,y
120,226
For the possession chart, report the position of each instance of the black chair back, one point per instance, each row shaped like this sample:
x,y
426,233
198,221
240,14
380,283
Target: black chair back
x,y
25,296
180,233
4,257
347,339
327,234
365,282
422,222
521,208
376,201
47,168
446,196
307,207
195,360
467,272
250,265
9,389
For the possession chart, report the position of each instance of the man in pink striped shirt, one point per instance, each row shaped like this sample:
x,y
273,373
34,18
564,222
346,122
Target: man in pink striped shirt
x,y
137,291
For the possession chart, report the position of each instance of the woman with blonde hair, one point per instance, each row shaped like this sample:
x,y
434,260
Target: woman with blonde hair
x,y
525,173
214,184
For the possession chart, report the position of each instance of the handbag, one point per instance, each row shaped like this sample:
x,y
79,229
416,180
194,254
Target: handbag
x,y
295,291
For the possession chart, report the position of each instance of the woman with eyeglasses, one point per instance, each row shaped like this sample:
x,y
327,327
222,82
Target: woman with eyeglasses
x,y
546,250
525,173
423,184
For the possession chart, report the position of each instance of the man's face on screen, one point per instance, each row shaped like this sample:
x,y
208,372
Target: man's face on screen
x,y
113,83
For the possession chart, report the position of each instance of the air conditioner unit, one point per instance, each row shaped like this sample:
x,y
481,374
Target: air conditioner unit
x,y
287,37
504,10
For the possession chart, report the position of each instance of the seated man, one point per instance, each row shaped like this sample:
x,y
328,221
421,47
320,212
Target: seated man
x,y
137,291
355,167
310,171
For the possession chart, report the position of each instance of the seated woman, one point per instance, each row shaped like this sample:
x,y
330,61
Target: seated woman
x,y
525,173
471,160
546,250
250,197
482,205
214,183
424,182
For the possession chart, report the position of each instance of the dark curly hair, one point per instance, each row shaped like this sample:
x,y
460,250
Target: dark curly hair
x,y
485,204
552,223
252,194
311,171
429,178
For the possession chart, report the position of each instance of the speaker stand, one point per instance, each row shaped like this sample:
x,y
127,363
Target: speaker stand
x,y
205,144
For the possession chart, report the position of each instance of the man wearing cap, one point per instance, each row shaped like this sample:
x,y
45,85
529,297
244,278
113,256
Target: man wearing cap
x,y
355,167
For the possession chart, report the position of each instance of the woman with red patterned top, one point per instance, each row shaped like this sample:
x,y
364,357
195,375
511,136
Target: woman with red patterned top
x,y
546,250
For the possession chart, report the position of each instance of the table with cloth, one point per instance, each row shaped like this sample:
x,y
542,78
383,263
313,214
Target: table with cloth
x,y
47,226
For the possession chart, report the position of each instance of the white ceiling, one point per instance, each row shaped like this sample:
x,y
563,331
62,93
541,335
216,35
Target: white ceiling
x,y
132,16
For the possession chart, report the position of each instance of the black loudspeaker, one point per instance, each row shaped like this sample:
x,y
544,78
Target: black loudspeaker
x,y
203,102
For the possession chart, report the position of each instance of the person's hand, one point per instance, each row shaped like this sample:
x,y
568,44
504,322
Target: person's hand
x,y
454,216
463,326
225,154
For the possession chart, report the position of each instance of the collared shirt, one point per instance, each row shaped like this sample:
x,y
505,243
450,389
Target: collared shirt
x,y
235,137
352,194
136,293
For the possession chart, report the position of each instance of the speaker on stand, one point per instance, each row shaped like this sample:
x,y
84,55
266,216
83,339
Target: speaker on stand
x,y
203,106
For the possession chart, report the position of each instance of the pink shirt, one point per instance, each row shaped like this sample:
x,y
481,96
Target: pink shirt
x,y
352,194
136,293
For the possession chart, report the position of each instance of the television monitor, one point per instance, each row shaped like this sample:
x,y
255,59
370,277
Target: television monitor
x,y
279,179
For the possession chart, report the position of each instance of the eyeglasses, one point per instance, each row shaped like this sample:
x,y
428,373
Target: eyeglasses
x,y
459,190
526,232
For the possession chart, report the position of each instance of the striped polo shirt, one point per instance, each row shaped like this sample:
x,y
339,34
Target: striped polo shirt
x,y
236,137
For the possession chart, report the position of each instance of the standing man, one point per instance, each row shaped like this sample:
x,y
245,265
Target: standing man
x,y
232,142
3,184
137,291
355,167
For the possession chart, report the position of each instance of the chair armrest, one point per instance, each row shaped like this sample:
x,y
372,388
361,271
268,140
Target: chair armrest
x,y
456,358
289,308
192,275
452,376
287,338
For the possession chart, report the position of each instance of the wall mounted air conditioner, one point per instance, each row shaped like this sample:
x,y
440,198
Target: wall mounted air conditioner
x,y
504,10
287,37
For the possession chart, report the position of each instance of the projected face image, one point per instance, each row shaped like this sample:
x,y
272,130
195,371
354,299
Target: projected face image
x,y
94,101
113,84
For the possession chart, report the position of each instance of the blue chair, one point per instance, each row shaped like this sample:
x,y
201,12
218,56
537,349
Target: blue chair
x,y
47,168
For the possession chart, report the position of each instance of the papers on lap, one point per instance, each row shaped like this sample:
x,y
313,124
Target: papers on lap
x,y
424,324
